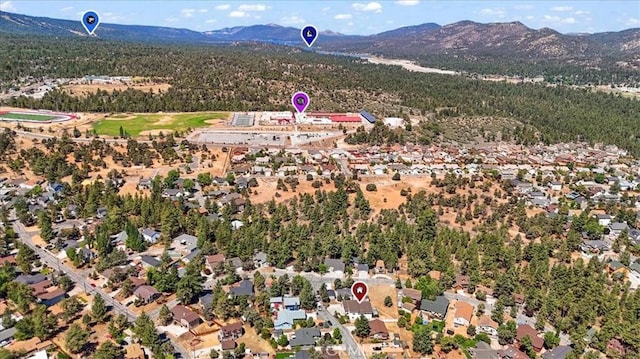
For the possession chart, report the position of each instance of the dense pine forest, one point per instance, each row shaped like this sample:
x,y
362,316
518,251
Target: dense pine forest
x,y
260,76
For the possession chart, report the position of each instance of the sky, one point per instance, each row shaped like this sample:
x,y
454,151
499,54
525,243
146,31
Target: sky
x,y
348,17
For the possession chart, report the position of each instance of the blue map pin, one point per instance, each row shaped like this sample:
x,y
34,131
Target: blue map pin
x,y
90,21
309,34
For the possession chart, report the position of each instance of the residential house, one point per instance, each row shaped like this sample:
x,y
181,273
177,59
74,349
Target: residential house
x,y
483,350
511,352
149,261
463,314
487,325
186,242
335,267
134,351
414,294
228,344
119,238
206,301
8,260
288,303
594,246
30,279
285,319
231,331
214,261
87,255
354,309
560,352
146,294
363,271
616,228
51,297
185,317
260,260
435,309
244,287
380,268
145,183
6,336
242,183
603,219
462,282
524,330
150,235
304,338
378,330
173,193
555,185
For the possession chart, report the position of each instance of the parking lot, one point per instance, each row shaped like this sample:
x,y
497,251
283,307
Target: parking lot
x,y
241,138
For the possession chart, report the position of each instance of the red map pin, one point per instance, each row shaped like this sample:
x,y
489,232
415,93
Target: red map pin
x,y
359,290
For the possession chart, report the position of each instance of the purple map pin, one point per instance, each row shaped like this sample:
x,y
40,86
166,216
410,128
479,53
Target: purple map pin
x,y
300,101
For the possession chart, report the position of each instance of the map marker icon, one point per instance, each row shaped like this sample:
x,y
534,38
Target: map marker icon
x,y
309,34
90,21
300,101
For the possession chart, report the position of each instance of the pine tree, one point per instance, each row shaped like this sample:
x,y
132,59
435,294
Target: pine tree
x,y
165,317
99,308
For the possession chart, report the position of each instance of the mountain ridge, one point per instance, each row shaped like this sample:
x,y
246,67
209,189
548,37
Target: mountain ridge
x,y
466,38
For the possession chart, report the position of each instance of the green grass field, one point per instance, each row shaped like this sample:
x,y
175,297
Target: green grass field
x,y
25,116
144,122
283,355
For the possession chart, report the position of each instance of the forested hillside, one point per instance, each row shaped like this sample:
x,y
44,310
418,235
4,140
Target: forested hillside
x,y
259,76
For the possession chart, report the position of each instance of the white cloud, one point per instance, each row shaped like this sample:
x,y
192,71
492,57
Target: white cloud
x,y
558,20
111,17
202,11
171,20
187,12
632,21
255,7
326,9
343,17
350,24
7,6
581,12
66,9
407,2
523,7
372,6
238,14
292,20
493,12
211,21
561,8
223,7
529,17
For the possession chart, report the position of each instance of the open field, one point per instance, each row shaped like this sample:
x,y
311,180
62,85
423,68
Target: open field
x,y
27,116
141,124
83,89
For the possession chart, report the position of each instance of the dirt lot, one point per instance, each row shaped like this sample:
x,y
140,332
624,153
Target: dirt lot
x,y
81,90
254,342
377,294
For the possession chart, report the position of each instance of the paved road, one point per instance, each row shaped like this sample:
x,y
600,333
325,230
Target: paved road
x,y
81,280
353,350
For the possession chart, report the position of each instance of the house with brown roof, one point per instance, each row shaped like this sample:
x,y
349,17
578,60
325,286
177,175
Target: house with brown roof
x,y
41,287
213,261
231,331
434,274
414,294
51,297
229,344
487,325
527,330
462,282
134,351
380,267
7,260
378,330
354,309
146,293
185,317
463,314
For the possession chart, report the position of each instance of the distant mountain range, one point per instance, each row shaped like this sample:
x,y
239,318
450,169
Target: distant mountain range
x,y
466,37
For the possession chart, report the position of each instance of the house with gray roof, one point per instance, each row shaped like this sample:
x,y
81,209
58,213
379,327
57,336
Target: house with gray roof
x,y
483,350
120,237
186,242
244,287
560,352
335,267
6,336
150,235
435,309
149,261
260,260
616,228
305,338
30,279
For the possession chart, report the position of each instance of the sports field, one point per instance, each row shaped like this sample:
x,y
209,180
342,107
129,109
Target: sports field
x,y
27,116
134,125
